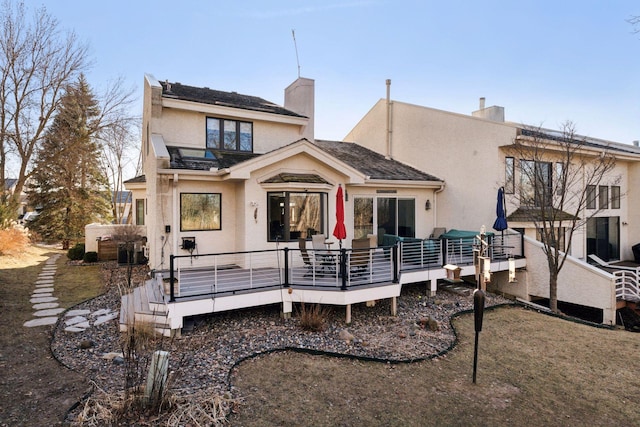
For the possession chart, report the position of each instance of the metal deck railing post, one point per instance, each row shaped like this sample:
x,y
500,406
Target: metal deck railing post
x,y
343,268
394,257
286,267
172,278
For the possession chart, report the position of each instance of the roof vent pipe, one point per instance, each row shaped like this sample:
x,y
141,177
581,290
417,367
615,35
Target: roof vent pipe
x,y
388,156
482,103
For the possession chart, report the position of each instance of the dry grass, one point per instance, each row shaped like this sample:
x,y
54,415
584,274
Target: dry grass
x,y
313,317
13,241
199,409
532,370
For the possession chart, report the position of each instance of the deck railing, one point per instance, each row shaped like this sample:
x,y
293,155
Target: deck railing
x,y
627,285
236,272
431,253
340,269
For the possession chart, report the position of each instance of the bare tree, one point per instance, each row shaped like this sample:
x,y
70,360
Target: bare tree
x,y
118,134
635,22
559,173
37,61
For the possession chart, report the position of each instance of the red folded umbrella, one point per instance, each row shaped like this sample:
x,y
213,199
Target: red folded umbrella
x,y
340,232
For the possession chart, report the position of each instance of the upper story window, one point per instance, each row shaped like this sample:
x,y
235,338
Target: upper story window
x,y
603,196
509,175
615,197
591,196
232,135
536,183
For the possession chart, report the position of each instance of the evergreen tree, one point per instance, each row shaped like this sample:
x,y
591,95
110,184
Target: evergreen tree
x,y
67,183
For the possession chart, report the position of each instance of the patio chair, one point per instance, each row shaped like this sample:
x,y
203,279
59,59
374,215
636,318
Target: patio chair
x,y
324,258
359,256
302,244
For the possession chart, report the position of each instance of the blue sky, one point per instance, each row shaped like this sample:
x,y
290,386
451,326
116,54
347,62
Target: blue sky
x,y
544,61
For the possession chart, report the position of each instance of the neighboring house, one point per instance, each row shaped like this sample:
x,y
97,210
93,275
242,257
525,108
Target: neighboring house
x,y
9,187
471,153
122,204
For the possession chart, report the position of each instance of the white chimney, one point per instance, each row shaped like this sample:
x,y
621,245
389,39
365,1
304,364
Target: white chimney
x,y
636,143
299,97
493,113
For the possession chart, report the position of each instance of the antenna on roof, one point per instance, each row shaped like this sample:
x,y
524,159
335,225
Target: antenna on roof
x,y
293,33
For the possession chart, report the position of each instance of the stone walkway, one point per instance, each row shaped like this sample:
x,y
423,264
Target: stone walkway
x,y
47,310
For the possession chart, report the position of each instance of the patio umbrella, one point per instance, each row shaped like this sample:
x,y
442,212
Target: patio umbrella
x,y
340,232
500,223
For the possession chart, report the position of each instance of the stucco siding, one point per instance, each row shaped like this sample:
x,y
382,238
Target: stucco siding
x,y
578,282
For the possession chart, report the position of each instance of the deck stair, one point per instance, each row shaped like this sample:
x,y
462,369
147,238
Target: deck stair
x,y
145,304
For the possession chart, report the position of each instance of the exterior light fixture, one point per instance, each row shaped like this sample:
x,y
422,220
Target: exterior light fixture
x,y
427,205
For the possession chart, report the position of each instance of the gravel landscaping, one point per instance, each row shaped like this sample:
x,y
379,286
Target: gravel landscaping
x,y
204,356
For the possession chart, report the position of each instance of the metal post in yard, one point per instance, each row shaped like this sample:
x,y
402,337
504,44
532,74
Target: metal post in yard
x,y
172,278
478,313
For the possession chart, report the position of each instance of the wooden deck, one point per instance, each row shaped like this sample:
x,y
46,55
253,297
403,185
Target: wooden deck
x,y
227,281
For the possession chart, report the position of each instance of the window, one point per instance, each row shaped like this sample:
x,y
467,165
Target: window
x,y
139,211
591,196
535,183
560,179
603,197
615,197
509,176
294,215
362,217
556,235
200,211
391,216
232,135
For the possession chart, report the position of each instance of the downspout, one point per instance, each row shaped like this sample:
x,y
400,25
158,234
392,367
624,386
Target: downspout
x,y
435,204
389,151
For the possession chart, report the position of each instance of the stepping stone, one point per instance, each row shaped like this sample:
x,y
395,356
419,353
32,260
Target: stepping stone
x,y
40,299
74,329
48,312
71,313
42,290
44,285
102,319
101,312
45,282
75,320
42,295
49,268
45,305
41,322
46,274
81,325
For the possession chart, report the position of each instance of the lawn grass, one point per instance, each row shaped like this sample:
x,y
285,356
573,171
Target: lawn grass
x,y
77,283
18,274
533,369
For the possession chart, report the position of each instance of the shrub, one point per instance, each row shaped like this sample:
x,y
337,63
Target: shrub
x,y
313,318
13,240
90,256
76,253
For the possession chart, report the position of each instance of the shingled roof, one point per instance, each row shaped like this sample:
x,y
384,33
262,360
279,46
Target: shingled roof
x,y
372,164
223,99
